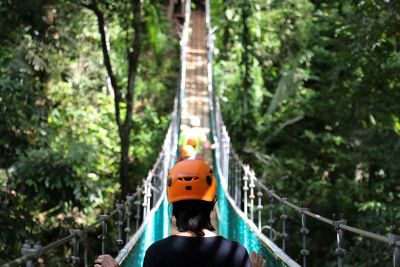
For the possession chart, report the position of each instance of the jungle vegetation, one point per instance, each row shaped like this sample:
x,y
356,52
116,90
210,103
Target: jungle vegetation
x,y
309,91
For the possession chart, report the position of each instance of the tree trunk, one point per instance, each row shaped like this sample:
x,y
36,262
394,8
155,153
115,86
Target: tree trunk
x,y
124,124
124,164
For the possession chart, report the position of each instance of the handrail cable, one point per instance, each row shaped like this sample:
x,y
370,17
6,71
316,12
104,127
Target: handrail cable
x,y
63,240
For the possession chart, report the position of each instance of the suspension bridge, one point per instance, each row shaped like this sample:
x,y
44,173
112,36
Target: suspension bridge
x,y
144,217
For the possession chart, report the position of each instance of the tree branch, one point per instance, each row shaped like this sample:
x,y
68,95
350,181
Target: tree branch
x,y
107,62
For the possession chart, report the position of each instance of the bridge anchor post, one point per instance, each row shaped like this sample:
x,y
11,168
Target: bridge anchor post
x,y
128,214
103,236
393,238
120,224
304,231
138,202
245,189
339,251
27,248
284,218
259,208
75,246
271,207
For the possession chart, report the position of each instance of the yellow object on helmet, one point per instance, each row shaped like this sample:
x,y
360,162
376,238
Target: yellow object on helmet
x,y
188,151
191,180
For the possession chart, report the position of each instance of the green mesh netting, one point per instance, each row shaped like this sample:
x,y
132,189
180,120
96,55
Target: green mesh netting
x,y
157,228
233,227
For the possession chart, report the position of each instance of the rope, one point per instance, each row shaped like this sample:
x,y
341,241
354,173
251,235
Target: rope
x,y
61,241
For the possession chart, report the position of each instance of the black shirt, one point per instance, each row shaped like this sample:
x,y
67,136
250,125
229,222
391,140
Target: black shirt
x,y
181,251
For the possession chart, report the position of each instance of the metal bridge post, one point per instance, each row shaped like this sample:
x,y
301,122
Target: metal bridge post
x,y
128,214
75,246
226,151
252,196
245,189
283,218
231,181
120,224
28,249
137,203
237,184
304,231
103,236
259,207
393,238
145,203
339,251
271,206
148,194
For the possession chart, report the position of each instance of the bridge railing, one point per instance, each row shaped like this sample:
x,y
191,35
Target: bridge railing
x,y
120,215
154,184
249,193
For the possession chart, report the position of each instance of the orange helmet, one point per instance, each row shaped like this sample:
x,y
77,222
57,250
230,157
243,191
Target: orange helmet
x,y
191,180
188,151
192,142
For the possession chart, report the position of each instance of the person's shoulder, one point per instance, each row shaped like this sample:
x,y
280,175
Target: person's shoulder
x,y
231,243
156,252
160,243
238,254
226,240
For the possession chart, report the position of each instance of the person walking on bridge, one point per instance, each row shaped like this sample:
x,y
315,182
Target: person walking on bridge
x,y
191,188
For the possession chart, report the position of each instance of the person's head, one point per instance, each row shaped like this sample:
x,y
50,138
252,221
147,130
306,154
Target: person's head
x,y
191,188
188,152
194,121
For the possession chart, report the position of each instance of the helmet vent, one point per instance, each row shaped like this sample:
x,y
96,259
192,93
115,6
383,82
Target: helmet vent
x,y
188,187
209,180
187,179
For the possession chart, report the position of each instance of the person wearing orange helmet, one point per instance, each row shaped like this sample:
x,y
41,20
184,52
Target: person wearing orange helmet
x,y
195,135
191,189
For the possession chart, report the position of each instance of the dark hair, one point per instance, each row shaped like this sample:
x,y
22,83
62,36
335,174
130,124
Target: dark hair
x,y
193,216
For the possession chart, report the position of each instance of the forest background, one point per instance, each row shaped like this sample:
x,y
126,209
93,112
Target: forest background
x,y
309,92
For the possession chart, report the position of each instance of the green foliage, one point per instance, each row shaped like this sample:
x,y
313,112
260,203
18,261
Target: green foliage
x,y
59,143
322,123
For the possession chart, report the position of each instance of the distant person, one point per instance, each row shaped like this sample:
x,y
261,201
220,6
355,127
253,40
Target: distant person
x,y
187,152
195,136
191,188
